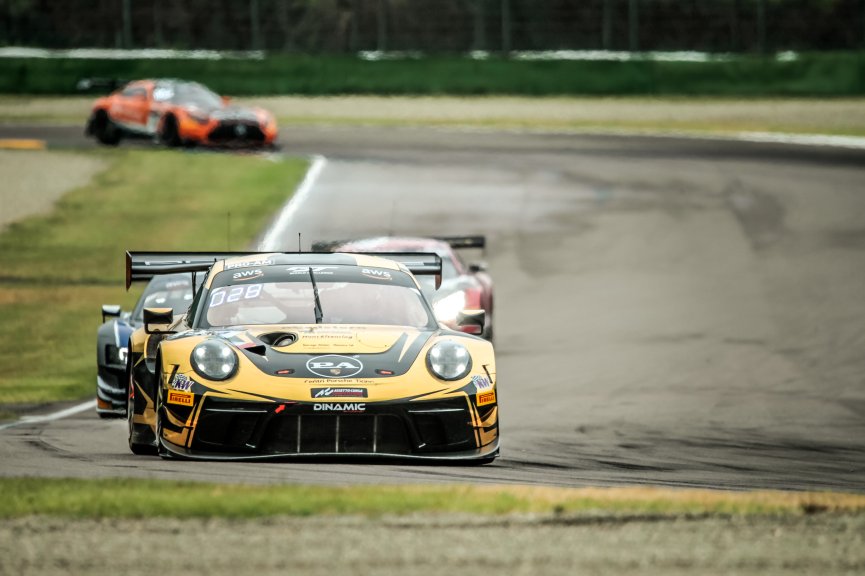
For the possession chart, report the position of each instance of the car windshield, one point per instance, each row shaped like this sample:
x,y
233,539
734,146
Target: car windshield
x,y
191,94
293,302
165,292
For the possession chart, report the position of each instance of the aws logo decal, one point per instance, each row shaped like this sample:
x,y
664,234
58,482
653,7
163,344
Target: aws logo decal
x,y
247,275
376,273
334,366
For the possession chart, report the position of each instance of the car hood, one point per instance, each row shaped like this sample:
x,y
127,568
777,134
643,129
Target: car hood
x,y
235,113
313,351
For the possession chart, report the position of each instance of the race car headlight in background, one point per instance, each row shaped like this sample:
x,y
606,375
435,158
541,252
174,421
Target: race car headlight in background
x,y
449,360
448,308
199,118
214,359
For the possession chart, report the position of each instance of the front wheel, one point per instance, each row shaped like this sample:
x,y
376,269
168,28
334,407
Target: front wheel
x,y
159,403
170,132
134,445
106,131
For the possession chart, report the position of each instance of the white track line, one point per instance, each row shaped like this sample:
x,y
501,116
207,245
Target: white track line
x,y
55,416
268,243
277,232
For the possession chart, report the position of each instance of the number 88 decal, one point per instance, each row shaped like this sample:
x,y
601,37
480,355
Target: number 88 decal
x,y
234,293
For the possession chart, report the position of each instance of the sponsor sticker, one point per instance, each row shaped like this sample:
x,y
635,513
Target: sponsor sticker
x,y
344,407
334,366
249,264
248,274
315,269
339,393
182,382
481,383
179,397
485,398
376,273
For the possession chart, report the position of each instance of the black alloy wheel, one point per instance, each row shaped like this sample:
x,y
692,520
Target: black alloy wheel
x,y
105,130
170,132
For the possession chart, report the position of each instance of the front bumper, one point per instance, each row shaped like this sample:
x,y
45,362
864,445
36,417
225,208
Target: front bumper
x,y
111,390
227,429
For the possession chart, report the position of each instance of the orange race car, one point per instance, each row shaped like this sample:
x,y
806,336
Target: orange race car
x,y
178,113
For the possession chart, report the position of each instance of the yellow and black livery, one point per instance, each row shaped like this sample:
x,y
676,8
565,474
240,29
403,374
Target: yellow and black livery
x,y
349,384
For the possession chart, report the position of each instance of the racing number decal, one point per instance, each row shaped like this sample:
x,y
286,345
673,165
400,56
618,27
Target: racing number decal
x,y
222,295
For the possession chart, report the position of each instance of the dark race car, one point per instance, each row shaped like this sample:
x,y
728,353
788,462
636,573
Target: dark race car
x,y
112,338
178,113
464,286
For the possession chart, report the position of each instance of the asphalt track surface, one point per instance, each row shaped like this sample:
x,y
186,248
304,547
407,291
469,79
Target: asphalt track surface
x,y
669,311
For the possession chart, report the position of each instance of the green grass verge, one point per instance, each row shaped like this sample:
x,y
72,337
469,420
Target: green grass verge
x,y
58,269
127,498
819,74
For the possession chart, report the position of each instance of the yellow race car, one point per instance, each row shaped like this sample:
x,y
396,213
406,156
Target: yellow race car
x,y
284,355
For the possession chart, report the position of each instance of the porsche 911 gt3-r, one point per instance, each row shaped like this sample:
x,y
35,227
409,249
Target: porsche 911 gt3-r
x,y
309,355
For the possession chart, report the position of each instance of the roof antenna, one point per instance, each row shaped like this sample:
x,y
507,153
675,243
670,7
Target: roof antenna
x,y
299,249
228,230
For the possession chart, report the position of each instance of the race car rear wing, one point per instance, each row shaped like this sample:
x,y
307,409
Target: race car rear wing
x,y
418,263
99,84
464,241
146,265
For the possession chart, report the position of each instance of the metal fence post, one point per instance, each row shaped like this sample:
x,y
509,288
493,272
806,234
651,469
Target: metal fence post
x,y
607,25
158,40
381,44
506,27
127,23
734,25
255,25
479,41
633,26
761,26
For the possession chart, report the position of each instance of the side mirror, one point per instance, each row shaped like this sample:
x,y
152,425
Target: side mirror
x,y
110,311
472,320
158,320
476,267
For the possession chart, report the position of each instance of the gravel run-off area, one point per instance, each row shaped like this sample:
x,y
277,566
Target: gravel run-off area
x,y
420,545
34,180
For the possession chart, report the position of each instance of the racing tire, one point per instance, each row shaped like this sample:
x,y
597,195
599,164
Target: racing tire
x,y
160,449
169,134
136,447
106,131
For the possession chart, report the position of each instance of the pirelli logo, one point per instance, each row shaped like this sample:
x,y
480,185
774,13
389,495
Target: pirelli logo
x,y
179,397
485,398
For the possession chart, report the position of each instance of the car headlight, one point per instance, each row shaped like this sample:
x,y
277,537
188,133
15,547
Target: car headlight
x,y
198,117
448,308
214,359
449,360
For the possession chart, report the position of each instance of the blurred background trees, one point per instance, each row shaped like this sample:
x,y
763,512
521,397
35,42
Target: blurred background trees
x,y
437,26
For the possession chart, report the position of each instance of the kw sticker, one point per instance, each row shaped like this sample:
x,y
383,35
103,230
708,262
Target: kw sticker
x,y
486,398
182,382
481,383
179,397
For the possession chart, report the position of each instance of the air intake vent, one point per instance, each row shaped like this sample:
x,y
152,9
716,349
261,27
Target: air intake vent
x,y
278,339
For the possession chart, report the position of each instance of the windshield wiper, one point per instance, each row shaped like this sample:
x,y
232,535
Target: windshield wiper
x,y
318,313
